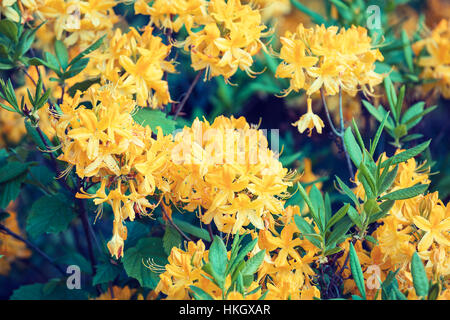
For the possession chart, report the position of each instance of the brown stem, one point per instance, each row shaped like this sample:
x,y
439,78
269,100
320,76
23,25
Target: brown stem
x,y
211,235
174,225
188,93
34,247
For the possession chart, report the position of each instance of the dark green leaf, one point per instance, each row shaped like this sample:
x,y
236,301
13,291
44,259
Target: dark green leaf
x,y
406,193
357,274
148,250
49,214
419,276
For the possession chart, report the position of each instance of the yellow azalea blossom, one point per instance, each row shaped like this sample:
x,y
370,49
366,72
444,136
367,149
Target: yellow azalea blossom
x,y
229,39
436,66
325,58
436,227
227,172
173,14
309,121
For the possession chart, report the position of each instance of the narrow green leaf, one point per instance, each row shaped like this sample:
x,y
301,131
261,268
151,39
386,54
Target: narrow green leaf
x,y
406,193
355,267
352,147
419,275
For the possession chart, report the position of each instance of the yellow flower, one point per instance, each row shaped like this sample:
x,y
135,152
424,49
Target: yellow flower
x,y
9,12
436,227
173,14
437,64
309,121
319,57
229,39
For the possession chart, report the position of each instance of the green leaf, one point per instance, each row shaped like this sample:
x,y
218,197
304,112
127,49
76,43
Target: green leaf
x,y
218,257
10,190
352,147
419,276
12,170
9,29
171,239
312,208
74,258
413,111
32,131
339,231
200,294
82,86
347,191
355,217
88,50
357,274
371,207
252,265
331,251
106,272
52,62
54,290
373,146
62,54
319,205
379,113
407,51
388,179
406,193
337,216
307,230
154,118
385,208
147,249
369,178
407,154
189,228
49,214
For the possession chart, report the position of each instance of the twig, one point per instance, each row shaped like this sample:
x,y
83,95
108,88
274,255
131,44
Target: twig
x,y
87,231
34,247
210,232
347,156
188,93
339,133
174,225
29,76
330,122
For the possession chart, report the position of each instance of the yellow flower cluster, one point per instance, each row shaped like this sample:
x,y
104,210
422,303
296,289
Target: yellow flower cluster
x,y
436,66
106,145
26,7
185,269
135,64
287,273
11,248
223,36
227,168
76,23
329,58
173,14
419,224
228,39
284,273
